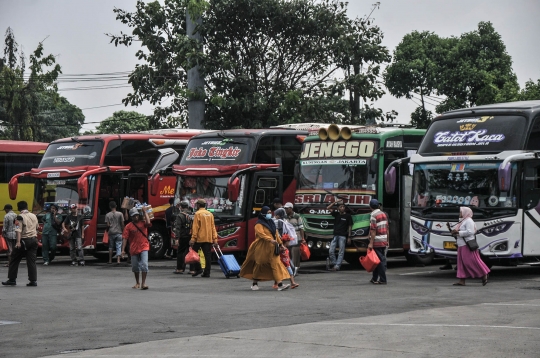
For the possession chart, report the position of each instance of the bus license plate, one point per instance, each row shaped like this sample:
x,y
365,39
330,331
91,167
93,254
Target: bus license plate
x,y
450,245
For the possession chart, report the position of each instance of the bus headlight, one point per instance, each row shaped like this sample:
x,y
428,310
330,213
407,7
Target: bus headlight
x,y
319,244
327,244
310,244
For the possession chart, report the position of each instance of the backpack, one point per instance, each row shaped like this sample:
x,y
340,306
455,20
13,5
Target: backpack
x,y
288,228
182,225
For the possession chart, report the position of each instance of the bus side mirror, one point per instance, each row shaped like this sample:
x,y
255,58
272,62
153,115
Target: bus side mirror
x,y
233,189
13,187
504,177
154,184
82,186
390,180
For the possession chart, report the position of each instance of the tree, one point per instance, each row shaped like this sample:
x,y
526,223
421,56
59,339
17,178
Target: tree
x,y
31,108
477,70
530,92
123,122
415,71
265,62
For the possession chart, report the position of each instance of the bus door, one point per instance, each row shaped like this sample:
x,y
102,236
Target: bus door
x,y
137,187
266,187
109,190
530,203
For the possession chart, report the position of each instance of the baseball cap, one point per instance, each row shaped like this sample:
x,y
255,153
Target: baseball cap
x,y
133,212
374,203
201,201
73,206
288,205
8,207
184,203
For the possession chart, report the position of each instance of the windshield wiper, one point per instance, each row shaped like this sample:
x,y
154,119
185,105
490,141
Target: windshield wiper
x,y
229,140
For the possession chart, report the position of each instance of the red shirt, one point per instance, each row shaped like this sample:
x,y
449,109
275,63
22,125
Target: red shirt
x,y
284,257
137,242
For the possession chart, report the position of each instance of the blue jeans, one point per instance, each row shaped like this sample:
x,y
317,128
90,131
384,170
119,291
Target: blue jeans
x,y
340,241
139,263
379,274
115,242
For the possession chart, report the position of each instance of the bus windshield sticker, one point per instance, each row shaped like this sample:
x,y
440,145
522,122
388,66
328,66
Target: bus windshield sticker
x,y
458,168
335,162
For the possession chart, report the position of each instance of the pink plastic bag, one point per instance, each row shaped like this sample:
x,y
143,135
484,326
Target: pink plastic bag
x,y
192,257
370,261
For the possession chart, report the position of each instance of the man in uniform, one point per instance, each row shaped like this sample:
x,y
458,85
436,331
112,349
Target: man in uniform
x,y
8,231
203,234
51,222
26,245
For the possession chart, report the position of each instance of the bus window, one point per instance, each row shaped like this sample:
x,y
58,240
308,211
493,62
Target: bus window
x,y
531,184
534,138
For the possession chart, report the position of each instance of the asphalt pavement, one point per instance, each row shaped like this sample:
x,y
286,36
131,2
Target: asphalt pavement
x,y
92,311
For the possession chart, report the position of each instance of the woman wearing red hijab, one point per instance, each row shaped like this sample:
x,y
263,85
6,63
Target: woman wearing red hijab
x,y
469,263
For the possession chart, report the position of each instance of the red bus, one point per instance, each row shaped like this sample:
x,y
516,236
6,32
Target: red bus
x,y
16,157
238,172
93,170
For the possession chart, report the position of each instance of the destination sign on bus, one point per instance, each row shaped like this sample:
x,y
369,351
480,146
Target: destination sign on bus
x,y
339,149
204,150
330,198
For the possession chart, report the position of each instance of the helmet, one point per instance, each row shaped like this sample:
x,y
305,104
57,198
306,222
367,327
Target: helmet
x,y
133,211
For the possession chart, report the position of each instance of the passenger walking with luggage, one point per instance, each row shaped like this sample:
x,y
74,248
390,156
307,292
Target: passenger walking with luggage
x,y
296,222
115,226
261,263
52,223
203,235
469,263
342,234
182,231
8,230
26,226
285,260
378,240
73,230
136,232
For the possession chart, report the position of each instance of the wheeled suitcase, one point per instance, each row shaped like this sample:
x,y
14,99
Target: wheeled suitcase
x,y
227,263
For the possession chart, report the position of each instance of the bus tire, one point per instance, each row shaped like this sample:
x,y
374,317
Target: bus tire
x,y
353,260
420,260
158,242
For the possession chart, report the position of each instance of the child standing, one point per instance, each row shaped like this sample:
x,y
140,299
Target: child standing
x,y
284,257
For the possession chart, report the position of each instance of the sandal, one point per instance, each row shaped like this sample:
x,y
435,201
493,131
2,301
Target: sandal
x,y
458,284
178,272
374,282
294,285
136,286
144,287
484,281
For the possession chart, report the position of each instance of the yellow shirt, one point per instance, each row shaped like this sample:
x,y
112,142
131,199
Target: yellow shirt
x,y
29,225
203,229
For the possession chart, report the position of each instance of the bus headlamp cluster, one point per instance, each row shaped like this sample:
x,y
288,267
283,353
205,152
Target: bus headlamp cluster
x,y
496,229
419,228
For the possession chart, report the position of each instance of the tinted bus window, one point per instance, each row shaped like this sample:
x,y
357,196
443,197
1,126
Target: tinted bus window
x,y
217,151
72,154
474,134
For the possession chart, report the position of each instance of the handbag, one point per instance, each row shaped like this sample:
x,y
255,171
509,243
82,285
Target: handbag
x,y
106,238
276,249
3,244
472,244
370,261
304,251
192,257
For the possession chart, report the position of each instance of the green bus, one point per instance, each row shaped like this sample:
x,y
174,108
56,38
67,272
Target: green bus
x,y
347,163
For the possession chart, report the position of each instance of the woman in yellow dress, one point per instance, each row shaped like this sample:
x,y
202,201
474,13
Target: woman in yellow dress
x,y
261,264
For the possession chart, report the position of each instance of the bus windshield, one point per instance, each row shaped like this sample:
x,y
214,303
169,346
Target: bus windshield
x,y
62,192
76,153
218,151
322,174
213,190
461,184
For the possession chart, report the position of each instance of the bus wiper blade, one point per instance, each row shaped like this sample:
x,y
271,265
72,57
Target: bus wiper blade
x,y
438,206
229,140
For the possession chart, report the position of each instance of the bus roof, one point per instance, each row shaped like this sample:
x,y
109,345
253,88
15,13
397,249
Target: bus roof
x,y
19,146
251,132
184,134
519,106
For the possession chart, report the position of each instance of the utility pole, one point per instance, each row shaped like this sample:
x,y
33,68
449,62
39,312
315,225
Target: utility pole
x,y
195,81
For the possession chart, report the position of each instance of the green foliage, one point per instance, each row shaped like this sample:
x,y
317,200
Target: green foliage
x,y
31,109
264,63
123,122
421,118
530,92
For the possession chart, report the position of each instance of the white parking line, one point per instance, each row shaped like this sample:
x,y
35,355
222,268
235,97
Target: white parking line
x,y
2,323
416,273
510,304
424,325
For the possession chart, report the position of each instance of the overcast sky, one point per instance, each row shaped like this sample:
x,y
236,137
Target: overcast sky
x,y
76,35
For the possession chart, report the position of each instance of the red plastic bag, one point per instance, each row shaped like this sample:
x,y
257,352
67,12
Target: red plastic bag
x,y
192,257
3,244
106,238
370,261
304,252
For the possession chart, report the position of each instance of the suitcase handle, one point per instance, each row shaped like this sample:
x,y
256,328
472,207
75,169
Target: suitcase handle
x,y
216,250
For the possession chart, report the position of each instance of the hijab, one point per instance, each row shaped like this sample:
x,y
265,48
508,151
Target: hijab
x,y
267,223
466,213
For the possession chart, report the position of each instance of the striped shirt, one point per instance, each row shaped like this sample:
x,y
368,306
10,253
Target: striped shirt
x,y
379,223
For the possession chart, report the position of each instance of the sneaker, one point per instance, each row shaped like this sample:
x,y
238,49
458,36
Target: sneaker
x,y
9,283
81,263
255,287
46,263
73,263
283,287
32,283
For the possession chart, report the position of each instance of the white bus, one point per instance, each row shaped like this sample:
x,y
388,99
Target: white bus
x,y
486,158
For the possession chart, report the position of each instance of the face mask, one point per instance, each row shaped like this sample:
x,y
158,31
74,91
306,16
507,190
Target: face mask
x,y
269,216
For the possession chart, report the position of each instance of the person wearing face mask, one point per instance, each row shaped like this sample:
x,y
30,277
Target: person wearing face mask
x,y
261,263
